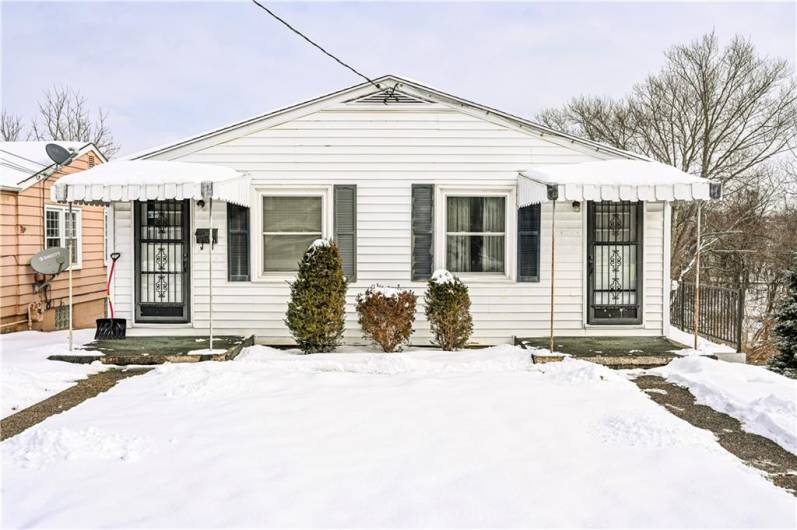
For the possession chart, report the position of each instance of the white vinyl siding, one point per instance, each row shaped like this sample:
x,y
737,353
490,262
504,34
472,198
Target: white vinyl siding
x,y
122,285
383,151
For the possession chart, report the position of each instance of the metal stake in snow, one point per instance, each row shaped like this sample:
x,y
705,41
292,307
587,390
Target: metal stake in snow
x,y
697,275
62,157
553,194
207,195
73,232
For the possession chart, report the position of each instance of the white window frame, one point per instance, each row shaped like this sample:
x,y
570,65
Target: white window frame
x,y
510,230
62,212
256,227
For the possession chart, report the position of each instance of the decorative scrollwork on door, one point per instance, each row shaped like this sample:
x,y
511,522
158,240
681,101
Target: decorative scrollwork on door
x,y
162,247
614,242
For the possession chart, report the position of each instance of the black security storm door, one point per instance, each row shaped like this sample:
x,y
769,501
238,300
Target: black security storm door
x,y
162,248
614,262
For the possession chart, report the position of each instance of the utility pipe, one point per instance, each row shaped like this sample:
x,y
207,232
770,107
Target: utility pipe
x,y
553,262
697,276
210,269
74,229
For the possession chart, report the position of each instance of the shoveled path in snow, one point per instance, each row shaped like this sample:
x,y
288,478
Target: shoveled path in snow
x,y
84,389
779,465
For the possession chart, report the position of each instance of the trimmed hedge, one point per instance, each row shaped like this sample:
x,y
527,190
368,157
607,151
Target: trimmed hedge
x,y
318,299
386,316
448,311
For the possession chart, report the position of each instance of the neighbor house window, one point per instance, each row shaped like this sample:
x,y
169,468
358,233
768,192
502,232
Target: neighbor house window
x,y
290,225
62,229
476,234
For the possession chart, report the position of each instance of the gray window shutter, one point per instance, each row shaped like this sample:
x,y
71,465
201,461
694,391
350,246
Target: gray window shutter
x,y
237,243
528,243
422,231
346,227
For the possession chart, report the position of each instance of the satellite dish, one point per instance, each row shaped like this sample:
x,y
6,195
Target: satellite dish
x,y
58,154
50,260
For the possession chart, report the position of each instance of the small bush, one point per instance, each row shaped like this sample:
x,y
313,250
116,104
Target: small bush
x,y
318,299
448,310
386,316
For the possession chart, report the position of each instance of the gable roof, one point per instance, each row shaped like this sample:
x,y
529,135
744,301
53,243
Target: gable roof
x,y
20,162
387,85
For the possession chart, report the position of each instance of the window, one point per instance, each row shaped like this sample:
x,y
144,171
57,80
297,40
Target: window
x,y
475,234
63,230
290,225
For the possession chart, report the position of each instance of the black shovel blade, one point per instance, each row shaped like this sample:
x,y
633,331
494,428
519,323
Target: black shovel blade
x,y
111,328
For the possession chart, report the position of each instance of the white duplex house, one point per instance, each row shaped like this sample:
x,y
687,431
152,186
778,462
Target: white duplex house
x,y
407,179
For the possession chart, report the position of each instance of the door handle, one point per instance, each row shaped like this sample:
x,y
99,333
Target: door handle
x,y
590,264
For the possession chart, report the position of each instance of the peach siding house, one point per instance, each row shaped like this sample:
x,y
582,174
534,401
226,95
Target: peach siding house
x,y
30,222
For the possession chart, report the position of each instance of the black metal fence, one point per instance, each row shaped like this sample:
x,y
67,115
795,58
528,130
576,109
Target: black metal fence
x,y
721,312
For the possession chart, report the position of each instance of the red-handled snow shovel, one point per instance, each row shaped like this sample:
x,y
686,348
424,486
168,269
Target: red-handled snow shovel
x,y
111,328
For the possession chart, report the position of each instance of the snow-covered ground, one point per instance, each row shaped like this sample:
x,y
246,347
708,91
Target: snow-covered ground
x,y
765,402
27,376
704,346
420,438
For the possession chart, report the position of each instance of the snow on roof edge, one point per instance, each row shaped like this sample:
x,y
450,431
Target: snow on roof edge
x,y
80,152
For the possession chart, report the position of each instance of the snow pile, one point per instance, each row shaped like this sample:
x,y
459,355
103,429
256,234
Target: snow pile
x,y
477,438
629,429
387,292
504,358
574,371
206,351
27,376
319,243
442,276
37,448
765,402
705,347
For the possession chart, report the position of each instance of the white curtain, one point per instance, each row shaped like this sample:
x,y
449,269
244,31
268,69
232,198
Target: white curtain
x,y
475,240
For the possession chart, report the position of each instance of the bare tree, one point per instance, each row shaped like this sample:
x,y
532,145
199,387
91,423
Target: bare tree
x,y
64,115
718,112
11,127
727,114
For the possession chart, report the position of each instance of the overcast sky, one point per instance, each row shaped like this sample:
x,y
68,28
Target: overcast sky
x,y
166,70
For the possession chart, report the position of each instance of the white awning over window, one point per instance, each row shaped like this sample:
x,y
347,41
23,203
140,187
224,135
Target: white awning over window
x,y
613,180
142,180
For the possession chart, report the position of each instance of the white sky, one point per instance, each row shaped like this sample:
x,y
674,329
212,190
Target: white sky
x,y
166,70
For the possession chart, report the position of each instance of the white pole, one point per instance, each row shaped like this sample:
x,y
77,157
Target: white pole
x,y
697,276
553,262
74,229
210,270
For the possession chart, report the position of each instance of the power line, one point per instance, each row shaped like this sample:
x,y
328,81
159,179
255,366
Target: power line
x,y
305,37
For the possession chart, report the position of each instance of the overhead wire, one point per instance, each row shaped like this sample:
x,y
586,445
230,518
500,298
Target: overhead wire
x,y
318,46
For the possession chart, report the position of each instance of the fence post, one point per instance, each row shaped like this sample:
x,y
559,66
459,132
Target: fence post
x,y
739,318
682,296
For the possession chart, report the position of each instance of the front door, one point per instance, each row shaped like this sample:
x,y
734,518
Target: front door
x,y
614,262
162,247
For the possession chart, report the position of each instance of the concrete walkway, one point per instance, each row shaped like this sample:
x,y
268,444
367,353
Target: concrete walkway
x,y
777,464
72,396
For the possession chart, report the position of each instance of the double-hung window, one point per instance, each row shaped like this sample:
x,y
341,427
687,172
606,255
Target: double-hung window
x,y
476,234
290,225
63,229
